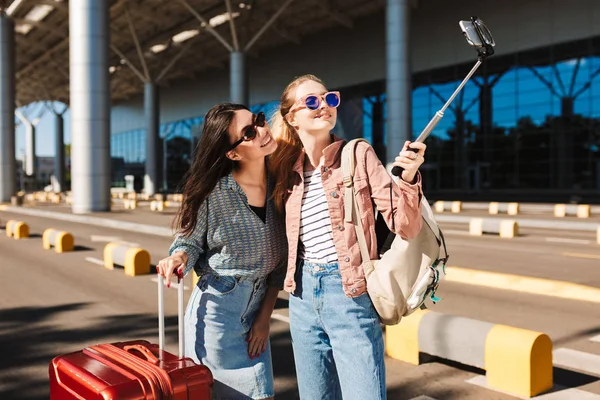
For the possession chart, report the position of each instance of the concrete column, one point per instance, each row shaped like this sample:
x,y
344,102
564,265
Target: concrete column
x,y
398,76
7,109
152,115
59,158
30,161
238,78
90,105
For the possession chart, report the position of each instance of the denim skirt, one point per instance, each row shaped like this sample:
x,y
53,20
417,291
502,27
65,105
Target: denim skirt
x,y
218,318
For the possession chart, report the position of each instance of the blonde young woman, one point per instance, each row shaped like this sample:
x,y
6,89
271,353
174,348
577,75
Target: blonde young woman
x,y
336,334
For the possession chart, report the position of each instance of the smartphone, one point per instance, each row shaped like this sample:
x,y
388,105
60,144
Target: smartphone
x,y
470,33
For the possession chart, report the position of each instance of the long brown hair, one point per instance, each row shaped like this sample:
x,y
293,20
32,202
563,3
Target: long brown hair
x,y
289,145
210,164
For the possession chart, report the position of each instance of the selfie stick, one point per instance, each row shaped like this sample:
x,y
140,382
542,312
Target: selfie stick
x,y
484,51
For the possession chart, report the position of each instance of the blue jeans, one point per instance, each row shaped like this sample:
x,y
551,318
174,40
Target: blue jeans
x,y
337,340
219,316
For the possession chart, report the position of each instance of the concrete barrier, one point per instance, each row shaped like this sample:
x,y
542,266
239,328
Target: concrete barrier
x,y
16,201
136,261
60,240
516,361
55,198
176,197
453,206
130,204
157,205
17,229
579,210
506,228
508,208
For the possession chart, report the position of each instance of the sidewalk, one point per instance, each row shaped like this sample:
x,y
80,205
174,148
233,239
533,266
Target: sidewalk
x,y
160,223
139,220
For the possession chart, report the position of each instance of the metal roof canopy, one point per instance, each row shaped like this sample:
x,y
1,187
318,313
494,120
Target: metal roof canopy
x,y
164,40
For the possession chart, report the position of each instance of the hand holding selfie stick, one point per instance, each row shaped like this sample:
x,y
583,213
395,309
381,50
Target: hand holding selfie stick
x,y
478,36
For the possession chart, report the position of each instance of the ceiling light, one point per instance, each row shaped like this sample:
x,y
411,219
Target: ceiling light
x,y
23,29
185,35
221,19
39,12
157,48
13,7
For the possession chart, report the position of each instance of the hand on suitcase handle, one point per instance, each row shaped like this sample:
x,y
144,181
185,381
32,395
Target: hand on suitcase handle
x,y
174,264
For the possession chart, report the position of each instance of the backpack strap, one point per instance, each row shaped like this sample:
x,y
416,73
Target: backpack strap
x,y
351,207
348,167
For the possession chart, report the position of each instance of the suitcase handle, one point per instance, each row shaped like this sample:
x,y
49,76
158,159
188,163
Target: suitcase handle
x,y
180,312
150,357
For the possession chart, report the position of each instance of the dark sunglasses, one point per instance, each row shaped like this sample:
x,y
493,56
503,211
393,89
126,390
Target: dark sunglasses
x,y
250,132
313,101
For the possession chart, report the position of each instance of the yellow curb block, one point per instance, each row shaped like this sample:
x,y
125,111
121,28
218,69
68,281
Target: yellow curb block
x,y
407,348
17,229
518,283
62,241
516,361
135,261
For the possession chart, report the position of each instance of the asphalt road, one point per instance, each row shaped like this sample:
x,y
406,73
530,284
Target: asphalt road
x,y
56,303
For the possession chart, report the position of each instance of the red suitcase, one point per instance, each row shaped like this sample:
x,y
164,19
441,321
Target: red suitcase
x,y
131,370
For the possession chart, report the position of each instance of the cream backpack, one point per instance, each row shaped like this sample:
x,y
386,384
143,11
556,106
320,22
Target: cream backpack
x,y
410,271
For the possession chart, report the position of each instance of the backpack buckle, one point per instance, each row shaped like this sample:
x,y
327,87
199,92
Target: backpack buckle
x,y
348,181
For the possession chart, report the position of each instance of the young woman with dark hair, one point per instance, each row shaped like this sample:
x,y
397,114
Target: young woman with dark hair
x,y
230,233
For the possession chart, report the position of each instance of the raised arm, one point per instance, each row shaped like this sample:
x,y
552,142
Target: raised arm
x,y
400,206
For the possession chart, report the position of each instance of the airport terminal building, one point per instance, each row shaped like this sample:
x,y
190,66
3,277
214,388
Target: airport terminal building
x,y
524,128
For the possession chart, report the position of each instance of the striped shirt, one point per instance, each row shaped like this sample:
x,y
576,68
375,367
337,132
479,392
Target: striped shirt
x,y
316,238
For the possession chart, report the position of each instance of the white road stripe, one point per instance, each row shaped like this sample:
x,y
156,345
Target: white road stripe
x,y
557,393
455,232
94,260
578,360
566,240
596,339
280,317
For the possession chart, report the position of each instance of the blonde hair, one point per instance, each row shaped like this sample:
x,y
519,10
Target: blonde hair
x,y
289,145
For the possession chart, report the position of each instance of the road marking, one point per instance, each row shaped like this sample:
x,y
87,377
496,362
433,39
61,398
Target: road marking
x,y
98,238
578,360
174,285
582,255
280,317
94,260
116,239
596,339
454,232
558,392
565,240
525,284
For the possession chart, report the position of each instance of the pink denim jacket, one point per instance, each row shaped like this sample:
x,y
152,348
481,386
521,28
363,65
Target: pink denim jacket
x,y
372,183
